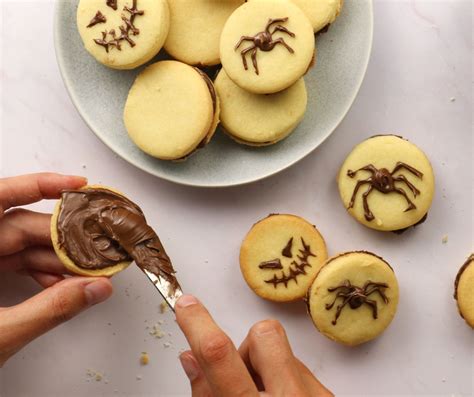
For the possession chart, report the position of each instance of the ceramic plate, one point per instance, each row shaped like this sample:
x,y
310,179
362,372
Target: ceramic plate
x,y
99,94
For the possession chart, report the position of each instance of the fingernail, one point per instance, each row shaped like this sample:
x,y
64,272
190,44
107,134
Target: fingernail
x,y
186,300
97,291
190,365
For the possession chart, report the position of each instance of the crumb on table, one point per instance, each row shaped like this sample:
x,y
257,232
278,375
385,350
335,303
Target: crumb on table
x,y
163,307
444,240
144,358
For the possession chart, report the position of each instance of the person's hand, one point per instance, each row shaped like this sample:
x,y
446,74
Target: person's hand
x,y
264,365
26,247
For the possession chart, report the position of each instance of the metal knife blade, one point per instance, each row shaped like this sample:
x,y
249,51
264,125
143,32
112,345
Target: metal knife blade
x,y
169,293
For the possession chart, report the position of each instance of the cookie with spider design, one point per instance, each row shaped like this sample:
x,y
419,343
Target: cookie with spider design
x,y
267,45
123,34
280,256
354,297
387,183
259,120
321,13
195,29
464,291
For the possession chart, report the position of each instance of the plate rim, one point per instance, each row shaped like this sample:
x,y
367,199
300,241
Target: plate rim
x,y
170,178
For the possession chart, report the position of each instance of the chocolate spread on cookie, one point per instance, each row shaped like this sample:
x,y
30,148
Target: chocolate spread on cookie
x,y
99,228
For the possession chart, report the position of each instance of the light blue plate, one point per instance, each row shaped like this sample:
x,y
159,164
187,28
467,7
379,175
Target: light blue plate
x,y
99,94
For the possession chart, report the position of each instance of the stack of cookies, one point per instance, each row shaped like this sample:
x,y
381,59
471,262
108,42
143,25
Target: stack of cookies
x,y
259,95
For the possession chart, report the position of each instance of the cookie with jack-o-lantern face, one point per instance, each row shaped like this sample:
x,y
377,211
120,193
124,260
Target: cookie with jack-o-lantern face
x,y
123,34
280,257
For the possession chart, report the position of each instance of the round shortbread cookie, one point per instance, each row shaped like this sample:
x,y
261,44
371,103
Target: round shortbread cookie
x,y
195,29
321,13
353,298
61,251
171,110
464,291
387,183
123,34
280,257
267,45
259,120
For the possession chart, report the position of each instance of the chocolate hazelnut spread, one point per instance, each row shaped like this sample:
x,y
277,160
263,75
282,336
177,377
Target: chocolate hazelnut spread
x,y
99,228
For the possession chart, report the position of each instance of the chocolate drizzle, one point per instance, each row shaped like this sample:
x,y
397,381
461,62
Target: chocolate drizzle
x,y
287,250
112,4
384,181
297,267
99,228
99,18
126,30
272,264
355,297
264,41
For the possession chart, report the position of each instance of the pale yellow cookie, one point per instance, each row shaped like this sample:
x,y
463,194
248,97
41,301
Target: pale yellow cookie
x,y
464,291
260,120
171,111
387,183
62,253
280,257
353,298
195,29
123,34
267,45
321,13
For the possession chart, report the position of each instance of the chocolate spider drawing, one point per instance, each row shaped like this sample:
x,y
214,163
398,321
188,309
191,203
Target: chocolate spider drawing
x,y
264,41
356,296
384,181
125,30
297,266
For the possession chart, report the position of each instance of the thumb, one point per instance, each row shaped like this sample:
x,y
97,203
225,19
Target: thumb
x,y
22,323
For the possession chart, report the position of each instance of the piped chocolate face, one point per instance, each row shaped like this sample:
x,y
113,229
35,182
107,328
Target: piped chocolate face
x,y
99,228
300,260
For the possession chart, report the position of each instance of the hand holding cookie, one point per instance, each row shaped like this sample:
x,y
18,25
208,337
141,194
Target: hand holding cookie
x,y
26,248
264,361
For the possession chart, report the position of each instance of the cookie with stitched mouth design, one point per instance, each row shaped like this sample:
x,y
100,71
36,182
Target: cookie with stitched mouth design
x,y
97,231
353,298
267,45
123,34
280,257
387,183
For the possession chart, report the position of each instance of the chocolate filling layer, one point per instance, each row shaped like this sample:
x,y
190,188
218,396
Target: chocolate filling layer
x,y
99,228
213,94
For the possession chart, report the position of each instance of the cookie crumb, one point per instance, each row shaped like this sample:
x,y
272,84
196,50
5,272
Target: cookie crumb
x,y
444,240
83,166
452,99
139,377
156,332
163,307
144,358
166,345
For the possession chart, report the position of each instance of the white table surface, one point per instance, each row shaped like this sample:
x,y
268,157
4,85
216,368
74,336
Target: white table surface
x,y
418,84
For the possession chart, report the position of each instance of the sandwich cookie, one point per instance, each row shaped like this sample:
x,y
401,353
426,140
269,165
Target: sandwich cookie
x,y
171,110
96,231
280,257
123,34
353,298
267,45
464,291
259,120
321,13
195,29
387,183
